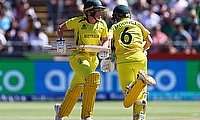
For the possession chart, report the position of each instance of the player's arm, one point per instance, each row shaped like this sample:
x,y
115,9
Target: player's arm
x,y
146,35
61,29
61,46
148,43
105,39
106,42
107,65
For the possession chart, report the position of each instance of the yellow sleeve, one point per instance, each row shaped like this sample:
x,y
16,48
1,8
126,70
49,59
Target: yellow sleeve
x,y
105,30
145,32
72,23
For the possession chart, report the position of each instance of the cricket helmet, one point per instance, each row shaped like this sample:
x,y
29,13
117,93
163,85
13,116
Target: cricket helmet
x,y
120,11
92,4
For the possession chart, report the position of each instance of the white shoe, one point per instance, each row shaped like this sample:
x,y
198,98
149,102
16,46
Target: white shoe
x,y
57,109
146,78
88,118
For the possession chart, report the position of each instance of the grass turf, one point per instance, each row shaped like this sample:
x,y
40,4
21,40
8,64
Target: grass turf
x,y
106,110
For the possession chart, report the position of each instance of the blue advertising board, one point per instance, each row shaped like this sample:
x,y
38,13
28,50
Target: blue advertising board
x,y
50,78
170,75
55,77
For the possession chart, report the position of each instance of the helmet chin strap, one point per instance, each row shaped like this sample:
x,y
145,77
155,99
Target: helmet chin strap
x,y
93,15
97,20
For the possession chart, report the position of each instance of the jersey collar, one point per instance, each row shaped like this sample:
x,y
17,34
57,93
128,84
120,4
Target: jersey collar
x,y
125,19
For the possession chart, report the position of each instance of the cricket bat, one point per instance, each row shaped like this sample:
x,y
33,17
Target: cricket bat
x,y
83,48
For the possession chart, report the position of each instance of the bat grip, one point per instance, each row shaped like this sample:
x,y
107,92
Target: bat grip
x,y
61,45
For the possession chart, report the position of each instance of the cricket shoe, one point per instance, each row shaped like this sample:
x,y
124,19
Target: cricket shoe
x,y
146,78
57,109
88,118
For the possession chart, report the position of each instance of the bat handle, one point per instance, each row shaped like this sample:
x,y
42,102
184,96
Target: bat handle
x,y
61,45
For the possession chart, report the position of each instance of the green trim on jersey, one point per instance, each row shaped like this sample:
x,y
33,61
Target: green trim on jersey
x,y
86,33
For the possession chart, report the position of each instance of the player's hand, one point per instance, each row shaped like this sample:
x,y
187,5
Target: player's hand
x,y
107,66
103,55
145,52
61,46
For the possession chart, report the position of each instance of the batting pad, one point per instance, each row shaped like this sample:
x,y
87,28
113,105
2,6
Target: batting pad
x,y
135,91
89,94
70,100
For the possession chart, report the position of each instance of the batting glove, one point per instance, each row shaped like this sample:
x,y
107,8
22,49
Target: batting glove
x,y
107,66
145,52
103,55
61,46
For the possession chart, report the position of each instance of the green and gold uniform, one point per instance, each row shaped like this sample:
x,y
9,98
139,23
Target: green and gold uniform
x,y
84,64
128,36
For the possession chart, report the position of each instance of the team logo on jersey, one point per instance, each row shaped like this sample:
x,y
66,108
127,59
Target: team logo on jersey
x,y
91,36
99,29
83,27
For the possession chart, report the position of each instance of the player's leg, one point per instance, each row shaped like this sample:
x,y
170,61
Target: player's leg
x,y
127,76
57,110
139,107
84,67
91,86
72,95
135,89
68,103
138,98
70,100
89,94
133,92
140,80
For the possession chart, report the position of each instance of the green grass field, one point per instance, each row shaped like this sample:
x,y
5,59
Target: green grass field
x,y
107,110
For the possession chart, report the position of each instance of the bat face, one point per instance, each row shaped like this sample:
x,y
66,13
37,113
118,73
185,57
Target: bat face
x,y
84,48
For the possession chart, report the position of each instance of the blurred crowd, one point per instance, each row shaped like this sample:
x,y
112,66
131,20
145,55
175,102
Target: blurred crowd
x,y
173,23
20,30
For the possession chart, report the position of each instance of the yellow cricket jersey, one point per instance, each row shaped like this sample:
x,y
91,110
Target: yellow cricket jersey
x,y
128,36
86,33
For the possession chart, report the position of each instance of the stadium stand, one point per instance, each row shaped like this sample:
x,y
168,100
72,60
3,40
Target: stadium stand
x,y
40,7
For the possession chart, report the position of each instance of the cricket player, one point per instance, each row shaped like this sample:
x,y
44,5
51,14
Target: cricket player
x,y
89,29
131,62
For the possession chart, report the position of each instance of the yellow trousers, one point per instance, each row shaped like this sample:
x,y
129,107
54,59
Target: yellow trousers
x,y
83,66
127,73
